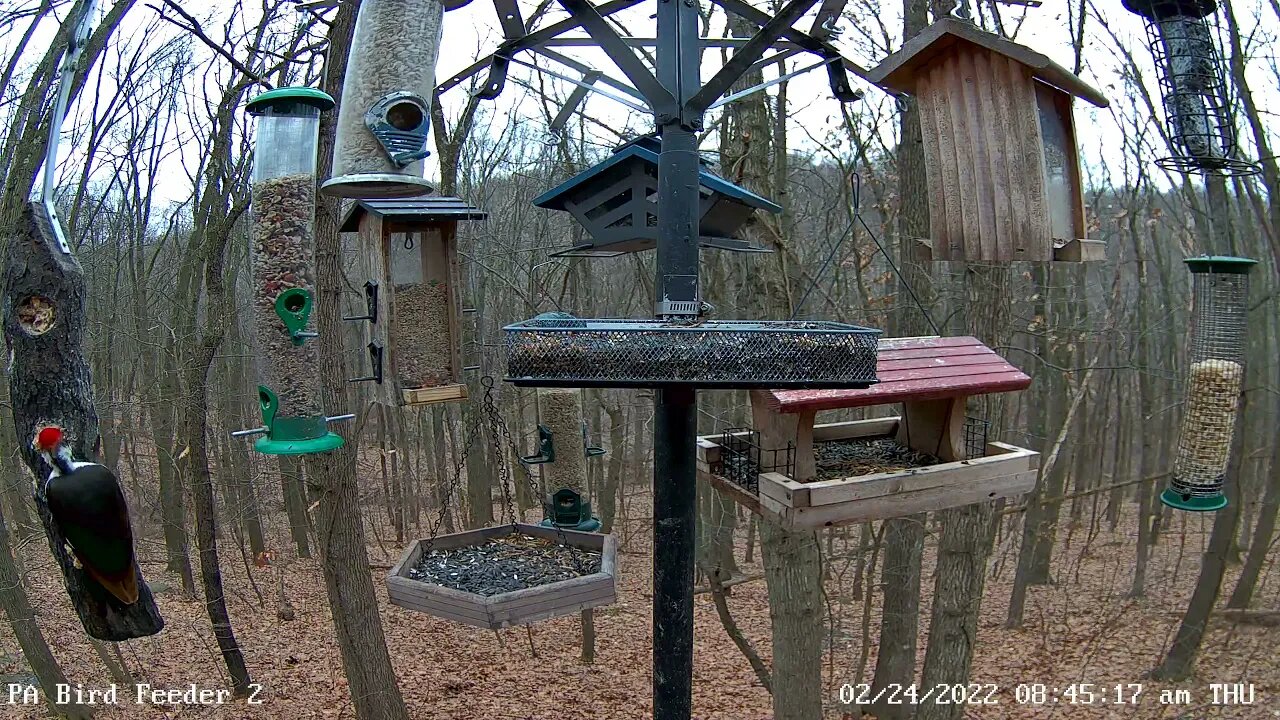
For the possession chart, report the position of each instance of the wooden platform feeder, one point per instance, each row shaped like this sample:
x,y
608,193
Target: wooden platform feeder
x,y
931,377
1000,146
616,202
412,319
555,599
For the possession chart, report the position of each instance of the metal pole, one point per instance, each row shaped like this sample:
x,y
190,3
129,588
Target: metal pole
x,y
675,417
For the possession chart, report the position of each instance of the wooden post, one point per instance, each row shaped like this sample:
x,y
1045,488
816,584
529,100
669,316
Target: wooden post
x,y
50,384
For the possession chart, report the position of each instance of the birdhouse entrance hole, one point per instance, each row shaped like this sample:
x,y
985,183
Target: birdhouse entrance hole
x,y
36,315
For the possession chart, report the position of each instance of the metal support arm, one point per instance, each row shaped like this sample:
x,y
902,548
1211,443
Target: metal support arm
x,y
748,54
660,99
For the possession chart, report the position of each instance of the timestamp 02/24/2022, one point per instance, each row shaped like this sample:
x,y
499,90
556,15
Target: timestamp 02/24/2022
x,y
1081,693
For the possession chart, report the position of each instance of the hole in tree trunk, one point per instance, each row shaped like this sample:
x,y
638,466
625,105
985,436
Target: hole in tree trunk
x,y
36,315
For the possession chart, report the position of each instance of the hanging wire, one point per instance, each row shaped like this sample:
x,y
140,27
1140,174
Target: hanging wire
x,y
855,200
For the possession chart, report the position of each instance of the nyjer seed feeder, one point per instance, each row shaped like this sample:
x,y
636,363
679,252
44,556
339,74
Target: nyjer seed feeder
x,y
616,202
283,213
1000,146
410,306
385,114
1215,377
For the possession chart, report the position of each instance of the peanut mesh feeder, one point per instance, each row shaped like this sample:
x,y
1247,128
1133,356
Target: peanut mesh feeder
x,y
283,200
384,119
557,349
1220,292
1189,66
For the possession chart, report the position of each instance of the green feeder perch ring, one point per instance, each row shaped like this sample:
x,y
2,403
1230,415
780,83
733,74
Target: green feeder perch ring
x,y
325,443
294,308
1192,503
591,524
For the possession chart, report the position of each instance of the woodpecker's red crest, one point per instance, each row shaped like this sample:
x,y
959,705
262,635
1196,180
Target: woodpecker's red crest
x,y
49,438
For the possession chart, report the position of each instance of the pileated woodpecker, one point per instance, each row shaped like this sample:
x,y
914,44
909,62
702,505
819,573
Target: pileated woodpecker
x,y
86,501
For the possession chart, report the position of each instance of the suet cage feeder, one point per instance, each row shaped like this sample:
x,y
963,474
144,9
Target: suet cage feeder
x,y
410,305
616,202
559,350
385,115
929,457
1201,130
1001,157
519,607
1216,353
563,451
283,201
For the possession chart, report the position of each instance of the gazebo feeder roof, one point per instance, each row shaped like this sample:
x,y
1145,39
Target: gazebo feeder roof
x,y
615,201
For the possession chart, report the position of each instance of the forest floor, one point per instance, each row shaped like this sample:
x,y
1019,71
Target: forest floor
x,y
1082,629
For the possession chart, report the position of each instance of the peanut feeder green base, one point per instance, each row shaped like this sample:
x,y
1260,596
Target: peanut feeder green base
x,y
292,435
1179,501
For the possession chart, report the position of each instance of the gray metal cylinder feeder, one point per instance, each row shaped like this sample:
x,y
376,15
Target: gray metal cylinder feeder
x,y
1192,84
1216,354
385,114
616,201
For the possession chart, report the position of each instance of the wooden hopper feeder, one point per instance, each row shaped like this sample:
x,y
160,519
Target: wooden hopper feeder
x,y
999,144
931,377
413,331
616,201
491,612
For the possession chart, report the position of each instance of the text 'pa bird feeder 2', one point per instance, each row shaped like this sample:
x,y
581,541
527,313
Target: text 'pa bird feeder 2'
x,y
385,115
616,202
1000,146
284,185
1220,297
507,575
412,296
559,350
809,476
1193,86
563,451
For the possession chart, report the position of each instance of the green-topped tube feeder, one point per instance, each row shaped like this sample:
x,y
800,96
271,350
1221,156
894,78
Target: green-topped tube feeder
x,y
1215,378
563,451
284,202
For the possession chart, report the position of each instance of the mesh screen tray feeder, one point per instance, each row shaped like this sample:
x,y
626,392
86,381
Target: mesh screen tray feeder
x,y
557,349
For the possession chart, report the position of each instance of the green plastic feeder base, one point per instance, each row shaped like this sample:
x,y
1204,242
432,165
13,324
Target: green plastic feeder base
x,y
1193,504
589,525
324,443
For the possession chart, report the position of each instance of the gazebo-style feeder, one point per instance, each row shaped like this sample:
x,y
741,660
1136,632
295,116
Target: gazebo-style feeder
x,y
506,575
411,296
616,201
385,116
1216,352
283,201
927,458
559,350
1188,63
563,450
1000,146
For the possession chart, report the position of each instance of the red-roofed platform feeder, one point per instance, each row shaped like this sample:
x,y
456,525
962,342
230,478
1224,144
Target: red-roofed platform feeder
x,y
781,468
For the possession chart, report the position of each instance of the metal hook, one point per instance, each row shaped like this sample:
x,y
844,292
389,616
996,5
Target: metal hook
x,y
408,241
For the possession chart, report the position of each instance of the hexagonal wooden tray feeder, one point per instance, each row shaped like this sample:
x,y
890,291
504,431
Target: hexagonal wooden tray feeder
x,y
931,377
513,608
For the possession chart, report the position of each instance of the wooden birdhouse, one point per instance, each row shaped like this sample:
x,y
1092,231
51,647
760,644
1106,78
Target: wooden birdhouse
x,y
616,202
999,144
412,323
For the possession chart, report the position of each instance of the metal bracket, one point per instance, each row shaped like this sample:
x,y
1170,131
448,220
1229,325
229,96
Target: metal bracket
x,y
679,297
509,18
375,359
588,449
546,449
370,302
497,79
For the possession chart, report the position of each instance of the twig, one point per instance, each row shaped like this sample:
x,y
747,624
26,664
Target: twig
x,y
704,589
195,29
735,634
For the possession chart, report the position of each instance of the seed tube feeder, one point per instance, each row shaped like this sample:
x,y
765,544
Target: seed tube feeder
x,y
1201,132
284,181
385,115
1220,294
564,467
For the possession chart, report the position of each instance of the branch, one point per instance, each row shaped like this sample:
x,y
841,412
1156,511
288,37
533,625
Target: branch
x,y
735,634
195,29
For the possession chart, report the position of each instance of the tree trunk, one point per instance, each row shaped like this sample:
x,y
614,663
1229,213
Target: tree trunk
x,y
339,526
899,626
292,486
791,562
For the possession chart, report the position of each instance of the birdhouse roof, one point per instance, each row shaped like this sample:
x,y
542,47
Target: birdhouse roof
x,y
432,208
898,71
554,198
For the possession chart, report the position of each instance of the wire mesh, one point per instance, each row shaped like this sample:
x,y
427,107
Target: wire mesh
x,y
742,460
1189,67
975,437
1215,377
550,351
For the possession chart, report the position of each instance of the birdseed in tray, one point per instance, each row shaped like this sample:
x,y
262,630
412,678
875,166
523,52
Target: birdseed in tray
x,y
866,455
506,564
